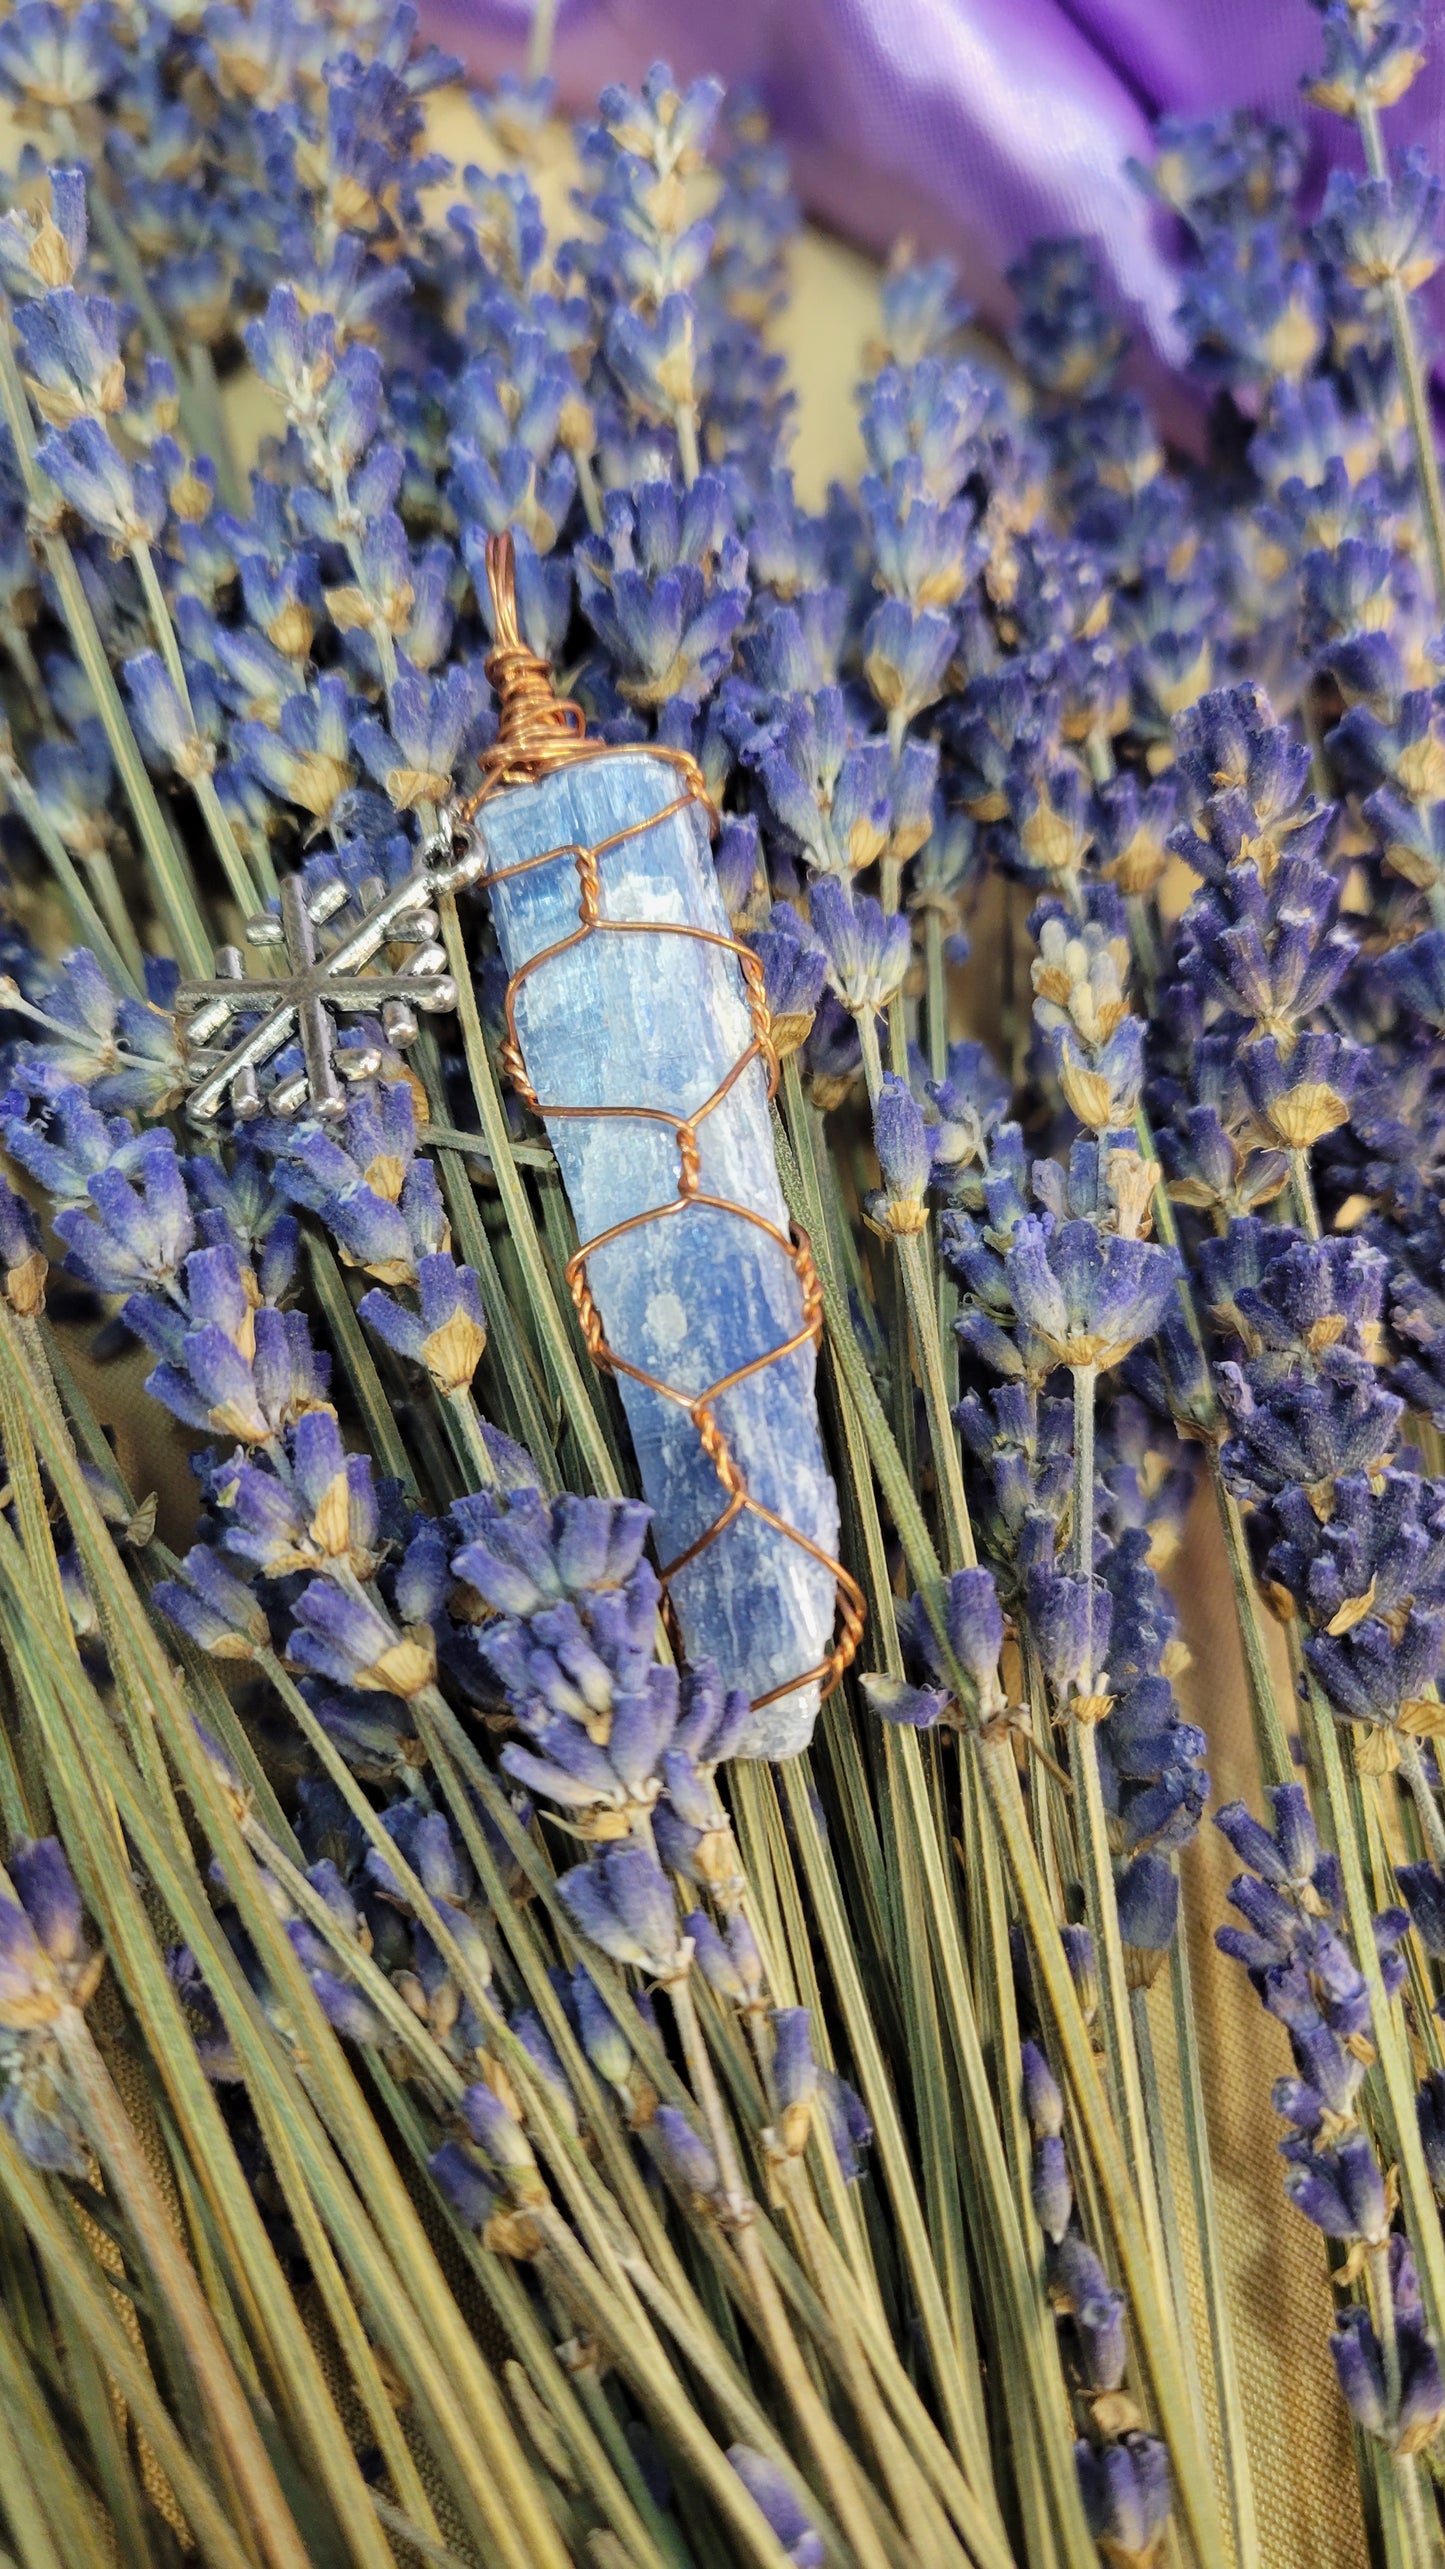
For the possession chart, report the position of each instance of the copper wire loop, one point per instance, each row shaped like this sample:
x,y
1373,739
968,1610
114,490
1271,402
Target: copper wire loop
x,y
537,733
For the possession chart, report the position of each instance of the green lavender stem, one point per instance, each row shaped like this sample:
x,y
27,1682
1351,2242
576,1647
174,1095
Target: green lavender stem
x,y
1396,2075
935,996
1432,1824
243,889
1303,1187
129,2173
210,414
1411,372
1154,2333
76,2280
829,2451
1096,1858
1270,1733
112,938
1000,1779
959,1547
174,892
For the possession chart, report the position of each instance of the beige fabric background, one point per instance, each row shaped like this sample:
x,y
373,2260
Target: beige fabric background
x,y
1299,2445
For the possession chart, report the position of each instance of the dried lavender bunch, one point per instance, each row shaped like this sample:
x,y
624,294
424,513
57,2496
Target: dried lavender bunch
x,y
465,1901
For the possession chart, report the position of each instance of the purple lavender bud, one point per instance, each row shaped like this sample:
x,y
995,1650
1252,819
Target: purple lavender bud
x,y
350,1640
1360,2370
45,246
465,2183
901,1140
1079,1954
307,759
1378,230
1147,1894
1043,2103
603,2040
167,731
423,1576
974,1620
867,952
537,2043
1287,1858
71,345
346,2008
1416,973
1300,2104
495,2130
905,655
772,2492
29,1992
1424,1889
215,1610
1422,2390
527,1555
795,2072
126,504
1430,2107
1339,2187
736,857
1097,2310
622,1902
1050,2187
140,1228
1125,2489
598,1541
795,968
448,1334
850,2127
41,1874
292,353
684,2156
1390,1927
438,1857
1069,1620
714,1959
894,1700
710,1721
1089,1295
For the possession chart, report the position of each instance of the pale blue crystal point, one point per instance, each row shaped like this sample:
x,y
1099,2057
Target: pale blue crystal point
x,y
643,1020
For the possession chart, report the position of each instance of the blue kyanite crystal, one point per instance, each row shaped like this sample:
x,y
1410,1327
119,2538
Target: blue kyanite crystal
x,y
642,1020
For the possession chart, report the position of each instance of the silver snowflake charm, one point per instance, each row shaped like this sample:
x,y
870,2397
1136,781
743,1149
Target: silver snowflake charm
x,y
301,1001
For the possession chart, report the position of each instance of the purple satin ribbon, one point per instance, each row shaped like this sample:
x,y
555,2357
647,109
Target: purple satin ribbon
x,y
973,126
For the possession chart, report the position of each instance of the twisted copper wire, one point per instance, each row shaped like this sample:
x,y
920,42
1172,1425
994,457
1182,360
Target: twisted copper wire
x,y
537,733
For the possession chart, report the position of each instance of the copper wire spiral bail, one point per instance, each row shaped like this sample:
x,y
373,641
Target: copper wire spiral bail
x,y
539,731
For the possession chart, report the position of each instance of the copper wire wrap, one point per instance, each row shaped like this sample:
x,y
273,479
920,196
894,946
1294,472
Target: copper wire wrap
x,y
537,733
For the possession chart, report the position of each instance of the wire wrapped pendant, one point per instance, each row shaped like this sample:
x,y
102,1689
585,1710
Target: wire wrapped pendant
x,y
637,1029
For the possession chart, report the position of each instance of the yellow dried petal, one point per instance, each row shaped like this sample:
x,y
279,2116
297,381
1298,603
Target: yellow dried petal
x,y
1422,1718
405,1668
1088,1093
1353,1611
330,1527
25,1285
1377,1751
454,1352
